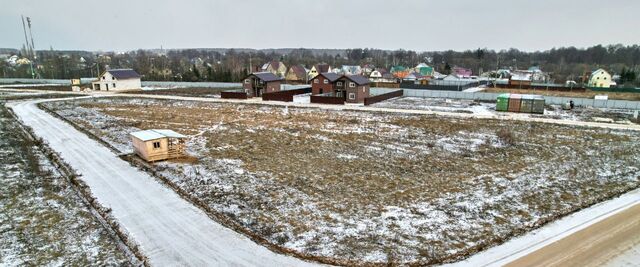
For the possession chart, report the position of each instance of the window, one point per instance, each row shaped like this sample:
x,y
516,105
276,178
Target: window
x,y
339,83
247,81
156,145
114,85
352,85
352,96
326,81
113,78
363,89
103,78
316,81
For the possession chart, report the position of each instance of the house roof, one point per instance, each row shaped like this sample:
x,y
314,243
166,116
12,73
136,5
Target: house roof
x,y
274,64
322,68
298,70
122,74
266,76
153,134
332,77
358,79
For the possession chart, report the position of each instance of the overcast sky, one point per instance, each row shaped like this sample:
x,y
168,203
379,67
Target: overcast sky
x,y
423,25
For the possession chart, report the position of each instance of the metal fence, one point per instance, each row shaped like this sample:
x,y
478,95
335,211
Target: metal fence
x,y
491,97
443,85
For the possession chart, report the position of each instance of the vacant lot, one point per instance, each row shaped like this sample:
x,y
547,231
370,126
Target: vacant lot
x,y
587,94
375,187
42,220
480,108
190,91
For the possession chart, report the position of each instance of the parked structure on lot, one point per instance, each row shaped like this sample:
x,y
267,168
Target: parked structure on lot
x,y
158,144
353,88
296,74
520,103
261,82
118,80
600,78
276,67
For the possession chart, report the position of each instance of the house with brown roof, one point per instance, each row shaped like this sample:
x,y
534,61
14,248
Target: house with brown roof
x,y
353,88
324,83
276,67
259,83
296,74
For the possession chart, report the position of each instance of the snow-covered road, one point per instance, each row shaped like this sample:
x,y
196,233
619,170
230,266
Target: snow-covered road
x,y
170,230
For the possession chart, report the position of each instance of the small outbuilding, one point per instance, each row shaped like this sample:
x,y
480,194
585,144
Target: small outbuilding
x,y
158,144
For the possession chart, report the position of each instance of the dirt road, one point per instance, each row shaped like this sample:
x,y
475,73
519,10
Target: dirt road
x,y
170,231
604,243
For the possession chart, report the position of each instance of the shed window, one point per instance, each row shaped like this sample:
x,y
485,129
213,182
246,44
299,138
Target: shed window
x,y
247,81
103,78
156,145
114,85
316,81
352,85
326,81
352,96
339,83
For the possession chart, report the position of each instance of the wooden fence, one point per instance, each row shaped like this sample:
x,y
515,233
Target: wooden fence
x,y
286,95
233,95
383,97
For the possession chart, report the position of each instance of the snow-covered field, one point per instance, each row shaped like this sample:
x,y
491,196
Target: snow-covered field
x,y
43,222
588,114
375,187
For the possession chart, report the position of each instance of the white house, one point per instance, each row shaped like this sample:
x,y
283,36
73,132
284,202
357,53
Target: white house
x,y
118,79
600,78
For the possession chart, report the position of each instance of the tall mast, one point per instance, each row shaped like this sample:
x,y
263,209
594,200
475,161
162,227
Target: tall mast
x,y
33,46
24,29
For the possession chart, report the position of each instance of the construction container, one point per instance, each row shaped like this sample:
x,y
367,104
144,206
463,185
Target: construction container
x,y
514,103
538,105
526,103
503,102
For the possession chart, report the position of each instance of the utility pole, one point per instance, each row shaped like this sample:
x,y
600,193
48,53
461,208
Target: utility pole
x,y
33,46
26,40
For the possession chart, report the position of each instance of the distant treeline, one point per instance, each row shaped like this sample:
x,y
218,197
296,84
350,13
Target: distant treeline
x,y
227,65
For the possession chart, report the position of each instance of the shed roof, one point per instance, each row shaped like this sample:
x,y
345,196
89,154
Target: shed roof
x,y
122,74
153,134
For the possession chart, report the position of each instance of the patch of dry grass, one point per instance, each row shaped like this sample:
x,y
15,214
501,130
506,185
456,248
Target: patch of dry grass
x,y
383,188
